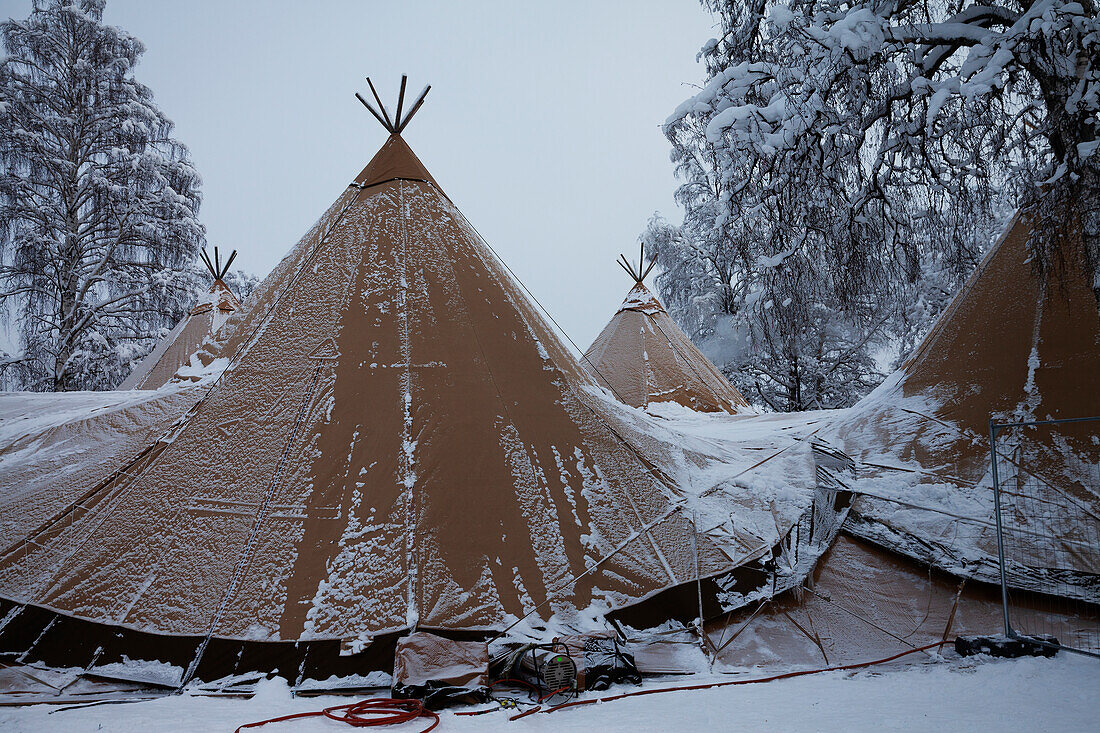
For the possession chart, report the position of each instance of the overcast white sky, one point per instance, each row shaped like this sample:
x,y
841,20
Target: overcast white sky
x,y
542,123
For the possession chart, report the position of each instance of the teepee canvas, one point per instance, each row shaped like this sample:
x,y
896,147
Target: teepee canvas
x,y
397,441
205,319
55,446
1016,345
643,357
863,602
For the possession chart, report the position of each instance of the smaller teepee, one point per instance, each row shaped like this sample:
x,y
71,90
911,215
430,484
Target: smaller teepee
x,y
175,349
644,357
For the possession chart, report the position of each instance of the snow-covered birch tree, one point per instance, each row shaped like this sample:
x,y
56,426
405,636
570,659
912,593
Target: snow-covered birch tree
x,y
856,157
98,202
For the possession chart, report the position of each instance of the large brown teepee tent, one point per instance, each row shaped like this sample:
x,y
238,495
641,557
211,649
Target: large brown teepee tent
x,y
917,562
1015,345
645,358
398,441
205,319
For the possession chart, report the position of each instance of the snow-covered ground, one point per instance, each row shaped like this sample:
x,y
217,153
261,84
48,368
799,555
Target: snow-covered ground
x,y
977,694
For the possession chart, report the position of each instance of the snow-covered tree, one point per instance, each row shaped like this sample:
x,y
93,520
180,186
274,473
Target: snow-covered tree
x,y
98,202
770,323
905,112
242,283
846,163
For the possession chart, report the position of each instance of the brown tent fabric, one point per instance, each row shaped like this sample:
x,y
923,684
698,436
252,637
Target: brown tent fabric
x,y
398,441
175,349
395,161
423,658
54,447
864,603
645,358
670,651
1013,345
26,685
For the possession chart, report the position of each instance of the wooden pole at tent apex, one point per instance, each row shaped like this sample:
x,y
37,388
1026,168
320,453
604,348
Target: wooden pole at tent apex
x,y
216,269
640,272
395,125
209,265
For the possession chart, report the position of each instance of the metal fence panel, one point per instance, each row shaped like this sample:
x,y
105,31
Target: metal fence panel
x,y
1046,481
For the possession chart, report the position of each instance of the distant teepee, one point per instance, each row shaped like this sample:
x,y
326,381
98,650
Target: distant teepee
x,y
645,358
205,319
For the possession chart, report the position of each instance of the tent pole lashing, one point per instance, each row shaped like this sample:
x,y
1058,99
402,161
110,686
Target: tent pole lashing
x,y
640,272
217,270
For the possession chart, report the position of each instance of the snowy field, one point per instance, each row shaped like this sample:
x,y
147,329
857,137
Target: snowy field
x,y
982,694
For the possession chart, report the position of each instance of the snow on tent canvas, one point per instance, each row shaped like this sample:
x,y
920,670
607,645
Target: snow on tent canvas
x,y
643,357
392,438
399,440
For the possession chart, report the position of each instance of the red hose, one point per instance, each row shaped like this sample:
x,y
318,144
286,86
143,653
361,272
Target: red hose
x,y
525,713
386,711
555,692
364,714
